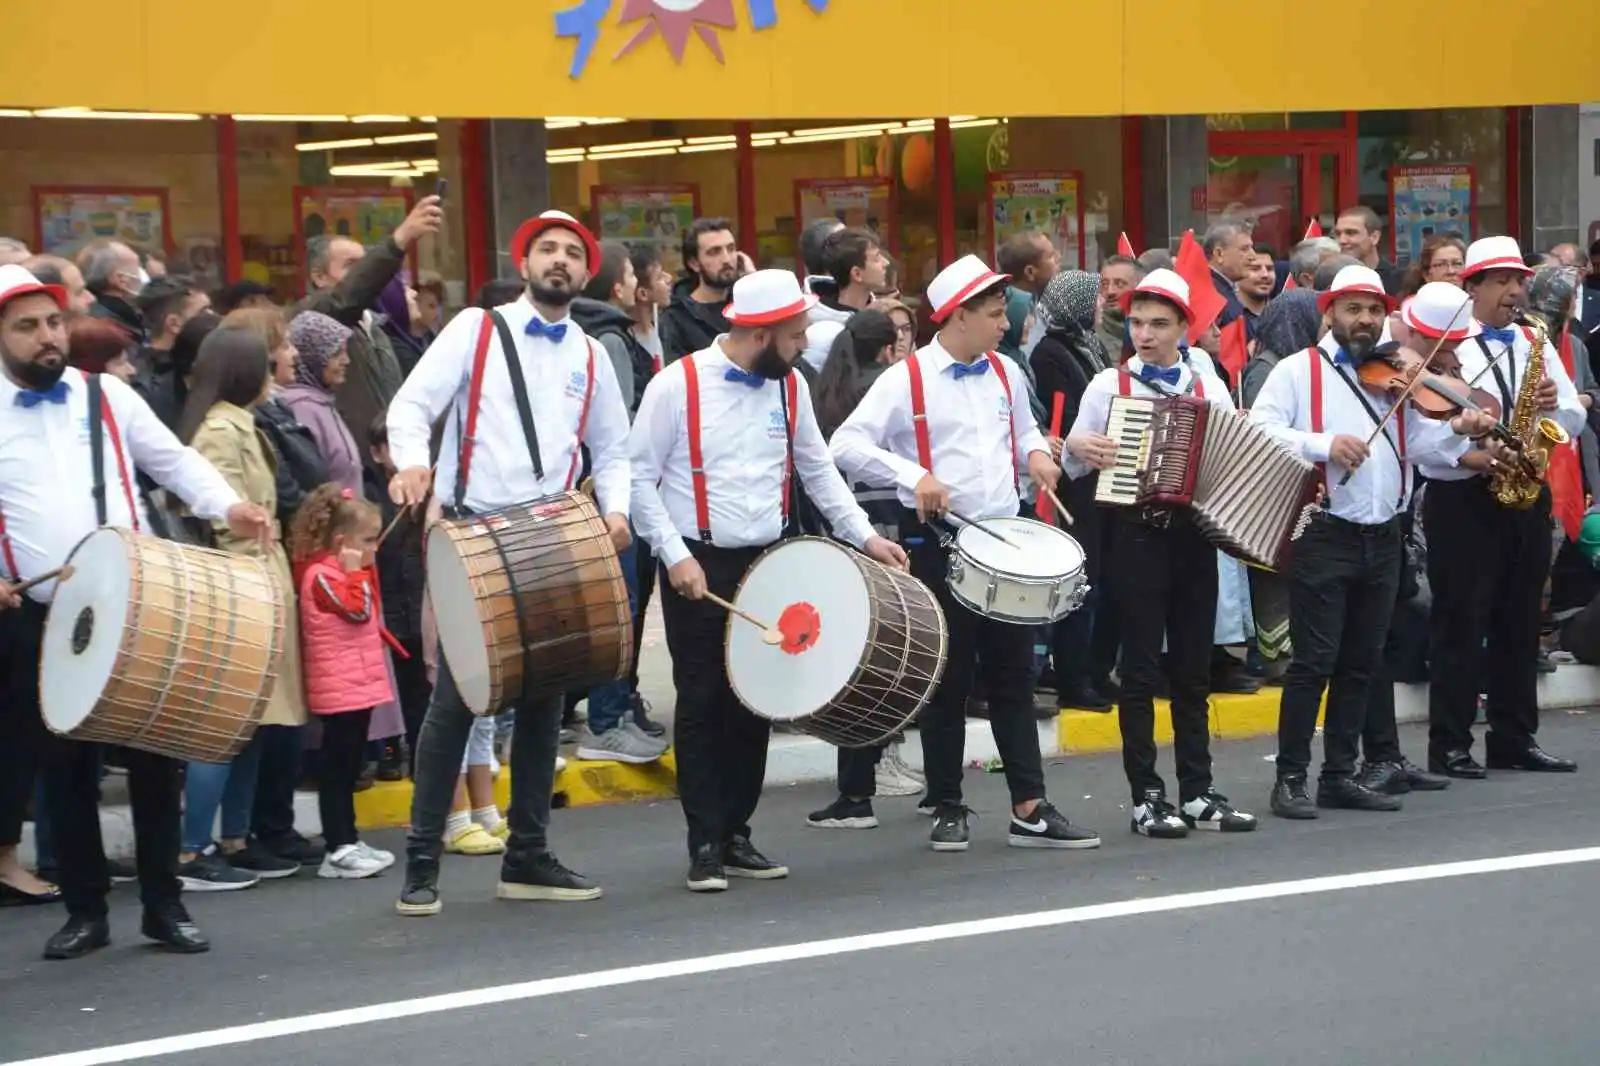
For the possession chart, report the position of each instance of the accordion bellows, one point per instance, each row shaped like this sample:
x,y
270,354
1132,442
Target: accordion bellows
x,y
1247,493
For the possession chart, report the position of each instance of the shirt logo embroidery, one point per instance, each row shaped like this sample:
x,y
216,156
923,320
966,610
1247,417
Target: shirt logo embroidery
x,y
775,426
576,385
1005,409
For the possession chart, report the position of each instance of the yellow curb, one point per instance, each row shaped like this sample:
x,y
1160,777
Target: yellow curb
x,y
1232,716
387,804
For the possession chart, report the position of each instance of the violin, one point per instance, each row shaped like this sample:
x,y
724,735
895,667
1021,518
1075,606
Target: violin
x,y
1442,393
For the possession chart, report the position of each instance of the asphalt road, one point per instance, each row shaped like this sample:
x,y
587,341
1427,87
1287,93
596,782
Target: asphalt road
x,y
1491,965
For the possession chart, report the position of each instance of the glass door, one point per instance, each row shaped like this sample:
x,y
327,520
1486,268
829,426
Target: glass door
x,y
1282,180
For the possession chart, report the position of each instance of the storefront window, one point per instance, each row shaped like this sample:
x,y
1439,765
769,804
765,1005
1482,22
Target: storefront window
x,y
1089,149
1445,170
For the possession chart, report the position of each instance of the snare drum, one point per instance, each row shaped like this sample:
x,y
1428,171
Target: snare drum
x,y
530,601
863,646
162,647
1036,579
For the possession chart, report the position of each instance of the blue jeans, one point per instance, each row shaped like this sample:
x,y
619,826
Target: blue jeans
x,y
608,703
229,785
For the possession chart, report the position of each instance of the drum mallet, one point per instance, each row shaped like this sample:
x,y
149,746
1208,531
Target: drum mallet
x,y
770,634
59,574
395,521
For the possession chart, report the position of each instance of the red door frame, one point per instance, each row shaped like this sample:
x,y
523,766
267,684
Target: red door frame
x,y
1308,146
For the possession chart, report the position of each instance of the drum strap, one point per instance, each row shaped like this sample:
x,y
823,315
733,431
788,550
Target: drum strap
x,y
919,413
519,389
101,415
790,397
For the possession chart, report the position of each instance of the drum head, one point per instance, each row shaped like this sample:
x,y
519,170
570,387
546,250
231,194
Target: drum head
x,y
84,629
812,591
455,608
1036,550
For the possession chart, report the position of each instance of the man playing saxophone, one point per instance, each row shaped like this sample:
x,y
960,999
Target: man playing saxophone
x,y
1489,535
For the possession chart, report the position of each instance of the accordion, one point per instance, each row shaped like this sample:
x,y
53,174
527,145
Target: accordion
x,y
1242,488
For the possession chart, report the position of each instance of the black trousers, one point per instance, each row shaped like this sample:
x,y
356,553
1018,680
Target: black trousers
x,y
1083,645
858,771
282,754
344,742
1165,586
998,653
23,736
414,691
721,746
1380,736
1487,566
646,574
1343,580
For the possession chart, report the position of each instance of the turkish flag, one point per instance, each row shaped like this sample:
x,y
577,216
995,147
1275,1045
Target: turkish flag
x,y
1564,476
1204,299
1125,246
1235,350
1288,283
1313,230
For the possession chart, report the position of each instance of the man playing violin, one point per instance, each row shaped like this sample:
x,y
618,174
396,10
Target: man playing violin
x,y
1346,569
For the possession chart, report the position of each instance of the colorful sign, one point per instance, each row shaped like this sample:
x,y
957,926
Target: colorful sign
x,y
363,215
1428,200
865,202
67,217
647,216
1048,201
671,20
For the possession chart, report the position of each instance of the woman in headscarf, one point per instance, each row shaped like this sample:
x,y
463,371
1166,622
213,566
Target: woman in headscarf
x,y
1065,360
320,369
402,321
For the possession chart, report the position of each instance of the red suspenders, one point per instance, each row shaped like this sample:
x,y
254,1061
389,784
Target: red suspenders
x,y
1315,355
697,463
919,412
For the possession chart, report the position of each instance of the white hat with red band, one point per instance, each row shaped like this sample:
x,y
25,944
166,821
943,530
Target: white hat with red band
x,y
1355,279
767,296
522,240
1494,253
1440,310
960,282
17,281
1165,284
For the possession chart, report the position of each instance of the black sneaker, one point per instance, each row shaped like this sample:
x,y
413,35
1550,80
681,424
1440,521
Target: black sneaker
x,y
641,716
705,871
1349,794
1385,777
1049,828
392,763
420,897
255,859
950,828
1290,799
1419,780
210,872
121,871
542,877
741,859
1211,810
845,813
1158,819
303,850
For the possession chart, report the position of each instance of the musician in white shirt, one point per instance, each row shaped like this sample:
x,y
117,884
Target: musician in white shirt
x,y
50,499
1487,563
572,388
1346,566
739,413
951,429
1165,581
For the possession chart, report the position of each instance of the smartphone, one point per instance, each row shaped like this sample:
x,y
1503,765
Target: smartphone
x,y
439,188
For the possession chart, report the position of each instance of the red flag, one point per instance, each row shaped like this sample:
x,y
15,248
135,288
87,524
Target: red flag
x,y
1313,230
1564,475
1204,299
1288,283
1235,350
1125,246
1044,507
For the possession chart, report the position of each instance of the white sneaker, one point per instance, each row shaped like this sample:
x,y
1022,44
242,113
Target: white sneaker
x,y
892,756
349,863
385,857
891,781
561,763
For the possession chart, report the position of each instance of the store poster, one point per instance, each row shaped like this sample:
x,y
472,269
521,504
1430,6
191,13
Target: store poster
x,y
868,203
1427,200
1049,202
648,216
363,215
68,217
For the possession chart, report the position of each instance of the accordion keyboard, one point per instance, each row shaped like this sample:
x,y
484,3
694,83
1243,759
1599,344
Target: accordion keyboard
x,y
1129,426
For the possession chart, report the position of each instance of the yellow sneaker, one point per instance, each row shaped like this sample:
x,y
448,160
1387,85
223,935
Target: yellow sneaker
x,y
501,831
474,840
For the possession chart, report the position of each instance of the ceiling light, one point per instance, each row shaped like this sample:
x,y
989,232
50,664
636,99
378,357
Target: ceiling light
x,y
380,118
7,112
629,146
636,154
973,124
328,146
145,116
291,118
406,138
374,170
725,139
427,118
690,149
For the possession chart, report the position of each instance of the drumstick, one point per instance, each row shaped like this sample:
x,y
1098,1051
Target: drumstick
x,y
964,520
770,634
1050,492
399,514
60,573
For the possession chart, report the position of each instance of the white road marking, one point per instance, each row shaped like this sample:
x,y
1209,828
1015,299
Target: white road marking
x,y
816,949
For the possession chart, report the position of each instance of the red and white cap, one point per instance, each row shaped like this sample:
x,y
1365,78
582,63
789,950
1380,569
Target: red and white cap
x,y
960,282
1441,310
17,281
1494,253
763,297
1165,284
523,238
1352,280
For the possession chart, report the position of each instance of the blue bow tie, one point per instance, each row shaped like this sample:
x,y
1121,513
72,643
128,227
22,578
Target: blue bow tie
x,y
1154,373
1342,357
538,327
961,370
1508,337
744,377
56,393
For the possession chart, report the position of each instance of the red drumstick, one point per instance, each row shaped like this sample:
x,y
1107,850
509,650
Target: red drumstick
x,y
1044,507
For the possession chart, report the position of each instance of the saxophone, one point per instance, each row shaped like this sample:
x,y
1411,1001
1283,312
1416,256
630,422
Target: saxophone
x,y
1517,485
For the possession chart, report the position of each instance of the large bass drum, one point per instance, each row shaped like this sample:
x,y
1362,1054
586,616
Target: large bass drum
x,y
863,646
530,602
162,647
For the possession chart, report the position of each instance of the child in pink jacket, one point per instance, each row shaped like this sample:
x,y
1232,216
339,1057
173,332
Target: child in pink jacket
x,y
335,539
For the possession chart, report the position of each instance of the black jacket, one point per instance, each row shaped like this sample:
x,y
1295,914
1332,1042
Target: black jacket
x,y
301,467
159,383
401,576
116,309
1064,364
613,330
687,325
